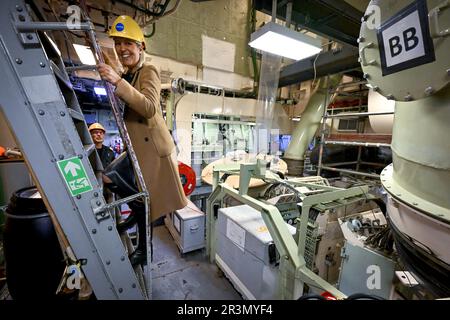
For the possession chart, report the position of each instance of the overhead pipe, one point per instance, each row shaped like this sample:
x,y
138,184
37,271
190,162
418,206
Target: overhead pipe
x,y
308,125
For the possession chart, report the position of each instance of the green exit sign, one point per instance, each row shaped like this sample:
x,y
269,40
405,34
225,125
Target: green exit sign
x,y
75,176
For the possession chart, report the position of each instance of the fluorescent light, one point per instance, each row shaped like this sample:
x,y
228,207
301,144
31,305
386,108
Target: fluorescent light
x,y
296,119
85,54
100,91
281,41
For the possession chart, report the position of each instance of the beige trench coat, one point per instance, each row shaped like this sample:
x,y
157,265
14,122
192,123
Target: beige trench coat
x,y
151,139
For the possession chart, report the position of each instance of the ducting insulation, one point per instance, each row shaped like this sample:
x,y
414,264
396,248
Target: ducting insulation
x,y
419,187
308,125
377,103
406,59
267,95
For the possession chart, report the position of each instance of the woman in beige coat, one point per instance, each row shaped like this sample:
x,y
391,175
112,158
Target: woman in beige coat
x,y
139,88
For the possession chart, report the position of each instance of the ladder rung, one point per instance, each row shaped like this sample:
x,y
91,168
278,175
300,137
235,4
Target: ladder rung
x,y
76,115
89,148
120,202
48,26
83,67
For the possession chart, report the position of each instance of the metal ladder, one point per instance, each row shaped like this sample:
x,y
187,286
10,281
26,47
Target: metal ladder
x,y
42,111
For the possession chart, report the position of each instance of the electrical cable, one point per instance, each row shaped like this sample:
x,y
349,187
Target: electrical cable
x,y
311,296
363,296
314,66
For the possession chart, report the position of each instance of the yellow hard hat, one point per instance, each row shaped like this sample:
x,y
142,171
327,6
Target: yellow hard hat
x,y
126,27
96,126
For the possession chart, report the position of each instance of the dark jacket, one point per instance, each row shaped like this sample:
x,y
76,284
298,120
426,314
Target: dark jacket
x,y
106,155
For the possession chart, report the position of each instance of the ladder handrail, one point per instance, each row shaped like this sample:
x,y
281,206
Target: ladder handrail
x,y
115,106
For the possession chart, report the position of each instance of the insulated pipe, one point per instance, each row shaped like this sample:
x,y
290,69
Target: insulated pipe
x,y
307,127
418,180
425,152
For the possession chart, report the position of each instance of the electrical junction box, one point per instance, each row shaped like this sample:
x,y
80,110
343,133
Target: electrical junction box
x,y
187,227
364,269
246,253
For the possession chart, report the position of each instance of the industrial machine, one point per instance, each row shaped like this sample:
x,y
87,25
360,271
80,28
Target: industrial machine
x,y
402,251
404,53
246,252
255,222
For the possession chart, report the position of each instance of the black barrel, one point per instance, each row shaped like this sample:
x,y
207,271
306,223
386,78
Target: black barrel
x,y
33,256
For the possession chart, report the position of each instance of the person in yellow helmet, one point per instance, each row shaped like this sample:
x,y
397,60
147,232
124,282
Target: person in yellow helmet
x,y
105,153
139,87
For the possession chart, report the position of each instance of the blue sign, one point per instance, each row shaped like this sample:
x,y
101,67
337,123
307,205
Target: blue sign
x,y
120,27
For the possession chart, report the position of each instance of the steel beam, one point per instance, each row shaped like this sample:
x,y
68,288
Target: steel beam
x,y
329,62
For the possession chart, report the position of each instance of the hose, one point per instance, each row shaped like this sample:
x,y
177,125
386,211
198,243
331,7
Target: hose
x,y
363,296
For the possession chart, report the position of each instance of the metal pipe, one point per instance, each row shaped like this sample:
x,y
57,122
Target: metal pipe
x,y
353,143
119,202
322,139
169,110
274,10
34,26
340,163
350,84
288,14
375,164
358,161
222,90
349,94
371,175
357,114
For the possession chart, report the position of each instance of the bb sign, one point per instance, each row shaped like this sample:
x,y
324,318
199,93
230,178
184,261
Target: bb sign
x,y
405,40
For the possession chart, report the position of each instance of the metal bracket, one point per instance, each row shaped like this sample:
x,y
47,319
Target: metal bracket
x,y
433,17
362,55
406,278
100,209
97,205
26,38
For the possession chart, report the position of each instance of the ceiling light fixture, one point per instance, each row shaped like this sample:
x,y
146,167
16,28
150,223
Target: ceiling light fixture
x,y
281,41
85,54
